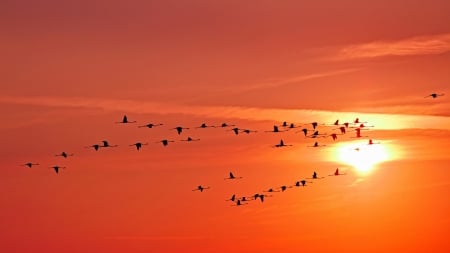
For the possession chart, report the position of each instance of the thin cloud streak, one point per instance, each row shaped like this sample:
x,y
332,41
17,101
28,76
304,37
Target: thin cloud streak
x,y
424,45
381,121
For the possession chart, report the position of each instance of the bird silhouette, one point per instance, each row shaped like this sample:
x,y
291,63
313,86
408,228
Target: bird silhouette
x,y
356,121
271,190
337,173
95,146
107,145
435,95
316,145
239,203
275,130
200,188
138,145
56,168
190,139
301,183
231,176
64,154
125,120
371,142
314,176
233,198
204,126
226,125
281,144
151,125
316,135
247,131
179,129
165,142
284,188
358,133
334,136
29,164
260,196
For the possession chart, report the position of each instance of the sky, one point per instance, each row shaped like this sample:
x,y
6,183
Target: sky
x,y
70,70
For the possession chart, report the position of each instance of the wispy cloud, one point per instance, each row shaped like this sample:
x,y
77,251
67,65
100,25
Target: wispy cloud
x,y
424,45
381,121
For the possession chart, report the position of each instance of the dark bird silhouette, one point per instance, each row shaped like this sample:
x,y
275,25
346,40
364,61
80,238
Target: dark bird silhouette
x,y
305,131
29,165
358,133
337,173
179,129
316,145
271,190
435,95
165,142
235,130
334,136
301,183
107,145
247,131
151,125
138,145
292,126
356,121
95,146
232,176
226,125
314,176
204,126
200,188
316,135
56,168
284,188
64,154
281,144
125,120
233,198
371,142
260,196
190,139
275,130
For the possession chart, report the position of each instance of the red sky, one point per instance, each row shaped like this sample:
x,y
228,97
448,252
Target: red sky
x,y
68,71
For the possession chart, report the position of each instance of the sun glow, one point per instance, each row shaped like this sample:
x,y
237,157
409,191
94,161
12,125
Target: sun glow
x,y
363,157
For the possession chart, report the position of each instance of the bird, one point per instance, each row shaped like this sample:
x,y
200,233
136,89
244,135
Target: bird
x,y
200,188
281,144
316,145
232,176
284,187
305,131
275,130
29,164
151,125
292,126
56,168
226,125
334,136
435,95
314,125
362,126
125,120
358,133
164,142
95,146
337,173
356,121
247,131
179,129
190,139
271,190
64,154
107,145
239,203
233,198
235,130
301,183
316,134
138,145
204,126
371,142
260,196
314,176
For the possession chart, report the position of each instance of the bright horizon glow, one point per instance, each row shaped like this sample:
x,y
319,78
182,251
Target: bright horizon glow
x,y
364,157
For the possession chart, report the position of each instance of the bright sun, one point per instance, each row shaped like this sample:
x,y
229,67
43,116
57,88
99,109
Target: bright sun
x,y
363,157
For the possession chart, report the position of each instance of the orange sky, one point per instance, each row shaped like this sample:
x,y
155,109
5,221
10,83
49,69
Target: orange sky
x,y
68,71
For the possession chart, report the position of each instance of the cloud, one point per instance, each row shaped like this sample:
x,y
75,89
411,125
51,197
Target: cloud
x,y
381,121
424,45
154,238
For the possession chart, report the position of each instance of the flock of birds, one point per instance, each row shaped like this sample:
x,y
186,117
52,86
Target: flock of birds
x,y
309,130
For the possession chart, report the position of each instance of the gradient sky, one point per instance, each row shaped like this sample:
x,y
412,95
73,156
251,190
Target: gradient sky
x,y
69,70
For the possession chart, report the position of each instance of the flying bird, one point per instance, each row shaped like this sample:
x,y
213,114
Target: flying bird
x,y
125,120
151,125
190,139
164,142
358,133
233,198
239,203
200,188
29,165
275,130
64,154
371,142
179,129
281,144
56,168
232,176
138,145
204,126
107,145
314,176
95,146
435,95
316,145
301,183
226,125
337,173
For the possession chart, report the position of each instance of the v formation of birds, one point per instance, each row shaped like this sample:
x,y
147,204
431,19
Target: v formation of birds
x,y
309,130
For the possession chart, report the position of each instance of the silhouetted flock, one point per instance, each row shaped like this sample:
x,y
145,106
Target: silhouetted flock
x,y
308,130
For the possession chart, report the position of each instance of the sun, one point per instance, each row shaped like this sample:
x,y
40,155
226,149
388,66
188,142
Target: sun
x,y
363,157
